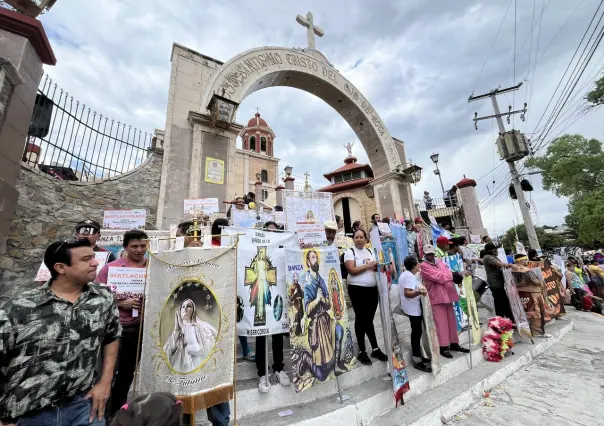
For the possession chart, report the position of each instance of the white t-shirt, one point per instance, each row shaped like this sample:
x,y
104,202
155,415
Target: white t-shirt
x,y
360,257
410,306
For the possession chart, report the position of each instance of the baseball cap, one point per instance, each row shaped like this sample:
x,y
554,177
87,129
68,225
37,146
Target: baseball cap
x,y
331,225
88,226
429,249
442,240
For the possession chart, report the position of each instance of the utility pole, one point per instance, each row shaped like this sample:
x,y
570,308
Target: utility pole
x,y
526,215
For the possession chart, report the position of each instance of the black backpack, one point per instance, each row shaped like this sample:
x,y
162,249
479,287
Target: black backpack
x,y
343,269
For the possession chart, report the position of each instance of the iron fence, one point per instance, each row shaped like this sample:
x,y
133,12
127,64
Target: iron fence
x,y
447,210
70,141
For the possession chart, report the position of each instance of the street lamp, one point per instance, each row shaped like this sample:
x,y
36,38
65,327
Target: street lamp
x,y
434,158
288,171
222,111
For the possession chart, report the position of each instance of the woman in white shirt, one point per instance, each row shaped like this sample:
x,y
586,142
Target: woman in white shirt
x,y
411,291
363,292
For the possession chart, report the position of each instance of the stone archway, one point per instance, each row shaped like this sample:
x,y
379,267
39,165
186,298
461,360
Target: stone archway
x,y
191,137
308,70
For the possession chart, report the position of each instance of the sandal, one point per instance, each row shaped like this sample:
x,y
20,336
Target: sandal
x,y
251,357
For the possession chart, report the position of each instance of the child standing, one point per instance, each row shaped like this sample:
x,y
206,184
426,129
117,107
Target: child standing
x,y
411,292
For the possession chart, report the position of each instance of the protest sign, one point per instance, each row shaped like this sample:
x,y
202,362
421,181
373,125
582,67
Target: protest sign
x,y
207,205
127,283
124,219
310,234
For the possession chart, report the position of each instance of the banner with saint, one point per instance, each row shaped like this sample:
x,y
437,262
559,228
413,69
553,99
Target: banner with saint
x,y
189,325
301,206
261,286
319,333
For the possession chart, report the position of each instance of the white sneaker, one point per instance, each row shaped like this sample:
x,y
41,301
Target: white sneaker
x,y
544,336
283,378
562,319
263,384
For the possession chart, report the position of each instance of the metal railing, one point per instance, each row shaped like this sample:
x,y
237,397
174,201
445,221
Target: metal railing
x,y
444,210
69,141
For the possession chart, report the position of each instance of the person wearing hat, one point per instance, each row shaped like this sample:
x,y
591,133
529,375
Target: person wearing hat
x,y
91,230
531,290
331,229
438,280
442,247
496,282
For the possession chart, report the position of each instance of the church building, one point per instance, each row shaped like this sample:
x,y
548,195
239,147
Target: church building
x,y
256,156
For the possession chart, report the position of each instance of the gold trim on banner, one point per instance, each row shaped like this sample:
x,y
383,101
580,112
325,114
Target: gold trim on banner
x,y
191,264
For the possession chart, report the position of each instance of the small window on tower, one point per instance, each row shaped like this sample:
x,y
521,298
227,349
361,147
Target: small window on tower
x,y
263,144
264,194
264,176
253,143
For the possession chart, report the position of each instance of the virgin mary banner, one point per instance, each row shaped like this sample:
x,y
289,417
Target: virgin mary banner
x,y
261,287
189,326
319,334
300,206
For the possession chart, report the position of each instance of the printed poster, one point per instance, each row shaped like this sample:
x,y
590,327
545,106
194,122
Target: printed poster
x,y
243,218
124,219
214,171
43,273
189,328
127,283
320,337
261,284
300,206
206,205
311,234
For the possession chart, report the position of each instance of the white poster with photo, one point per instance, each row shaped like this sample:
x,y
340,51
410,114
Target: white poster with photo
x,y
43,274
300,206
243,218
207,205
124,219
261,289
310,234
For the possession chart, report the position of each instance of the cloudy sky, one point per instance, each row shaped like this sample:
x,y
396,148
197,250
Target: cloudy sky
x,y
416,61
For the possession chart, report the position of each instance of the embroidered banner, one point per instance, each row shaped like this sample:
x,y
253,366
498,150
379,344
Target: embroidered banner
x,y
430,345
261,286
319,334
189,325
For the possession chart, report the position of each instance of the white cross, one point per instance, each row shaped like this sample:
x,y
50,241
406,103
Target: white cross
x,y
312,29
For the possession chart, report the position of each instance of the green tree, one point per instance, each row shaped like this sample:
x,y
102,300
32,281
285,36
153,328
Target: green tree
x,y
572,165
596,96
586,216
547,241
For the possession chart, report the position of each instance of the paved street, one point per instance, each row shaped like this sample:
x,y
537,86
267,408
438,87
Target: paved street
x,y
564,386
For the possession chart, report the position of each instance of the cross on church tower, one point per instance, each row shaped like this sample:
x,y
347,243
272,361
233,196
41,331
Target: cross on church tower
x,y
311,28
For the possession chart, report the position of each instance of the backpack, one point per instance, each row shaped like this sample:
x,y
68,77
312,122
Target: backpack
x,y
343,269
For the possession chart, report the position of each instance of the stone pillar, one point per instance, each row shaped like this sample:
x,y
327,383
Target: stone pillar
x,y
279,195
392,196
466,190
24,47
289,182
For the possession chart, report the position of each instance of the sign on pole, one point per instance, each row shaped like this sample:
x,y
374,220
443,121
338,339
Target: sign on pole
x,y
124,219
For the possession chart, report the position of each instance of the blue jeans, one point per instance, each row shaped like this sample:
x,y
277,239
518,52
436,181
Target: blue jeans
x,y
245,348
219,415
75,413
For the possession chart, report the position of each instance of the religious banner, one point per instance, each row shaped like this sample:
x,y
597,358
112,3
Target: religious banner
x,y
399,233
243,218
391,257
261,286
207,205
43,273
319,333
430,345
384,229
455,264
214,171
124,219
516,304
472,310
310,234
554,292
189,327
300,206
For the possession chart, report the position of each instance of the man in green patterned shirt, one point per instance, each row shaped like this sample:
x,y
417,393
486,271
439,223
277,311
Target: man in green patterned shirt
x,y
50,341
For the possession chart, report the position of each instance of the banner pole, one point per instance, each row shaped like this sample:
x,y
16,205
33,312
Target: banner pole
x,y
470,339
266,360
338,385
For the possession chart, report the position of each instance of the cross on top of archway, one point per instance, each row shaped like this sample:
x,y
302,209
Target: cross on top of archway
x,y
312,29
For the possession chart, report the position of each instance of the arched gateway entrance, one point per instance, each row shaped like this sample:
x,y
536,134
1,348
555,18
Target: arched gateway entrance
x,y
191,137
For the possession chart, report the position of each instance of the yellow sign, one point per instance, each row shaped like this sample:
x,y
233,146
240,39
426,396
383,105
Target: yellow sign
x,y
214,171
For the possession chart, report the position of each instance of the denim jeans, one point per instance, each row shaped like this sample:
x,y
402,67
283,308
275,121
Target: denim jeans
x,y
75,413
218,415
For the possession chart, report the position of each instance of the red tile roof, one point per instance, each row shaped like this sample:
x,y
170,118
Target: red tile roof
x,y
350,184
350,167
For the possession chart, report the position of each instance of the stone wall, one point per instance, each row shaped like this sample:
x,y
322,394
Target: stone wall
x,y
48,210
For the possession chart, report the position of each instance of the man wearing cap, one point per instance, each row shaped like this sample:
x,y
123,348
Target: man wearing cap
x,y
91,230
496,282
438,280
442,247
331,229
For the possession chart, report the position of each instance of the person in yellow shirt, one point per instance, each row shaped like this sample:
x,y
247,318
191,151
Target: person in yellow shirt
x,y
597,278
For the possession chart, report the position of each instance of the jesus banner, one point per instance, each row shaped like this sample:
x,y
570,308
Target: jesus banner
x,y
189,325
319,334
261,288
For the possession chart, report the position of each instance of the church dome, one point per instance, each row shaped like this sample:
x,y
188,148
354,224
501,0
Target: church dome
x,y
256,121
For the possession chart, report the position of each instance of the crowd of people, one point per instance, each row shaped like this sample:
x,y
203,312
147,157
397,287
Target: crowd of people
x,y
69,349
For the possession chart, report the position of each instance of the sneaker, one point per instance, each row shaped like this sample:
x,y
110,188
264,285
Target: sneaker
x,y
544,336
457,348
422,367
562,318
282,377
377,353
363,358
263,384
